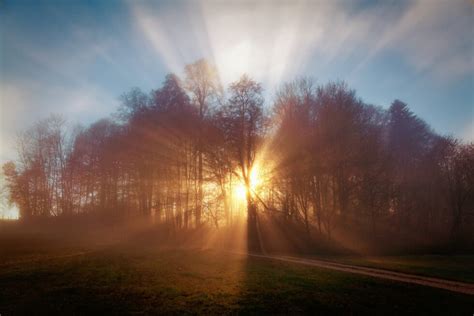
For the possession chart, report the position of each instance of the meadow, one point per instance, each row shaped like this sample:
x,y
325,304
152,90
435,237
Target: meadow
x,y
42,275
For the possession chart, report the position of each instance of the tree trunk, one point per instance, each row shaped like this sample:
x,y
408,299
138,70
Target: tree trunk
x,y
253,240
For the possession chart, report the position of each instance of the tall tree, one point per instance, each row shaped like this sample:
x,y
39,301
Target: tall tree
x,y
202,82
245,128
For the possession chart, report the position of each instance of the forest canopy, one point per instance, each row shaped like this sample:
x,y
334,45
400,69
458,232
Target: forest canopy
x,y
194,153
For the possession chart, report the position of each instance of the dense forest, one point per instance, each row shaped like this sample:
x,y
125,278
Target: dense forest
x,y
193,153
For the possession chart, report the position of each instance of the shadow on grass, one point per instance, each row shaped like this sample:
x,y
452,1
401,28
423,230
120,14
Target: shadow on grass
x,y
274,287
140,276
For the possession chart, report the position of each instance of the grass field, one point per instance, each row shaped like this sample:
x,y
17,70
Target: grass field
x,y
131,279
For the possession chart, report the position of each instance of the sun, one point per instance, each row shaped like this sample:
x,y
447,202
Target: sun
x,y
240,189
240,192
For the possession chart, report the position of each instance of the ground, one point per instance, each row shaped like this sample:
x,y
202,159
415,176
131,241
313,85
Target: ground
x,y
131,278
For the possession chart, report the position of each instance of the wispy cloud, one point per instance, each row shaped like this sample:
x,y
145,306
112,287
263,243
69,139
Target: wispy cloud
x,y
433,36
24,102
80,69
271,40
468,133
175,33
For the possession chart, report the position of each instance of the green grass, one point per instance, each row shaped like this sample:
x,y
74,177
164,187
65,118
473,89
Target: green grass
x,y
143,280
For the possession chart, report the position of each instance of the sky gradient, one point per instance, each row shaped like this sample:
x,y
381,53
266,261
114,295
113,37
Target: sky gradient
x,y
76,58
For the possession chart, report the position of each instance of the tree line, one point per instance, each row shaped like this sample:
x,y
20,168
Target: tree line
x,y
326,160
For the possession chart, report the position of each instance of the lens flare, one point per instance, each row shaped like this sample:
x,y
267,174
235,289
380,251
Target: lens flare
x,y
240,192
255,182
255,179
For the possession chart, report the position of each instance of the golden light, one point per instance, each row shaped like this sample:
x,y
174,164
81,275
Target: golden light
x,y
265,41
240,192
255,178
240,189
11,213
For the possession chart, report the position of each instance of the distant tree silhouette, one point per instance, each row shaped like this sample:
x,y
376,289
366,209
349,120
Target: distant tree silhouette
x,y
244,130
334,165
202,82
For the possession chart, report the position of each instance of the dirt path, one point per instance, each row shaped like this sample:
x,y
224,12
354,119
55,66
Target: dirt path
x,y
460,287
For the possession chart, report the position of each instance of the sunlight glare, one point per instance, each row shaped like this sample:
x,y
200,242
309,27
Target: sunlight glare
x,y
11,213
240,192
255,178
240,189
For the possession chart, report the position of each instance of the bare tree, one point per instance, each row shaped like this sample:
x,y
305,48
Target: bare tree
x,y
244,119
203,84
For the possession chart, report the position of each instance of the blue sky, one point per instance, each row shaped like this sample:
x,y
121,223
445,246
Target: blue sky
x,y
77,57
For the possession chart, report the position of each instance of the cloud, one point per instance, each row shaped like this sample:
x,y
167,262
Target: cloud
x,y
175,33
271,40
68,60
468,134
54,76
432,36
13,108
24,102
